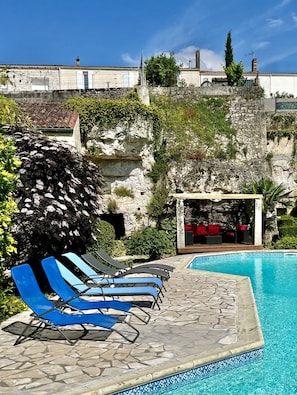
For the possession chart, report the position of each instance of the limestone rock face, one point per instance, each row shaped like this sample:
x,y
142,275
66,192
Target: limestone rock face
x,y
125,155
215,175
123,141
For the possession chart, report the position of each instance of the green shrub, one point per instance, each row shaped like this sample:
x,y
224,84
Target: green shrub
x,y
286,220
10,305
168,225
8,180
119,248
156,207
122,191
288,230
112,206
105,238
286,243
149,241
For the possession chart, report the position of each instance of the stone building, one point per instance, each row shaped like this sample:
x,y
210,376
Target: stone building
x,y
80,77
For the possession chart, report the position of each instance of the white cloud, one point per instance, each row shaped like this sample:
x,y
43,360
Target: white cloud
x,y
209,60
133,62
274,22
186,56
294,17
284,3
261,44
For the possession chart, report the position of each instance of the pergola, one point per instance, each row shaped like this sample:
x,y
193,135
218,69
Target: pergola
x,y
181,197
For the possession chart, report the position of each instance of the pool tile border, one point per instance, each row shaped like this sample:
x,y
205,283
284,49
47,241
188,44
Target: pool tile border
x,y
198,373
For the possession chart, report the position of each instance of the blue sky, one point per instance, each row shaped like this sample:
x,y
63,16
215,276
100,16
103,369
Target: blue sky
x,y
116,32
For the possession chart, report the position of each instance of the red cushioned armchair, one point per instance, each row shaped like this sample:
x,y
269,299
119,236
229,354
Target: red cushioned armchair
x,y
209,230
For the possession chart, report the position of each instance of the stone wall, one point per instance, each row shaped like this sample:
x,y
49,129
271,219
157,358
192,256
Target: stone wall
x,y
125,156
229,176
64,95
282,150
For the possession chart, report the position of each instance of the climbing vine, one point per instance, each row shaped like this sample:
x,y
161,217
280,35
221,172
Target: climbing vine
x,y
201,121
107,114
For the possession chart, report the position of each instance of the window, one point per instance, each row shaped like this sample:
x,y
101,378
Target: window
x,y
86,80
40,84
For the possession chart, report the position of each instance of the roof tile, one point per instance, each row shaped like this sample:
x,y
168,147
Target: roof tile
x,y
49,115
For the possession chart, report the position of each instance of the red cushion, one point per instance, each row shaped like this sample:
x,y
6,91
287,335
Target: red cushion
x,y
214,229
189,227
230,234
200,230
241,227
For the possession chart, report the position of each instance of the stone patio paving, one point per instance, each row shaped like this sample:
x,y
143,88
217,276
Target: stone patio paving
x,y
203,317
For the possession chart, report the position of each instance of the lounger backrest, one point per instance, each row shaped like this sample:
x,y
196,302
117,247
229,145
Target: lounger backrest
x,y
31,294
83,266
29,289
56,281
112,262
99,266
71,278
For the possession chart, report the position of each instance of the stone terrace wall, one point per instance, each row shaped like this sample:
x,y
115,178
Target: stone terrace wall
x,y
64,95
228,176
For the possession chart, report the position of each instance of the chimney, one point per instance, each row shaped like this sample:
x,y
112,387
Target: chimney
x,y
77,62
198,60
254,65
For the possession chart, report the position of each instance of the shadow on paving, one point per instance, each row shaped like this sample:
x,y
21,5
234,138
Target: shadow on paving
x,y
34,332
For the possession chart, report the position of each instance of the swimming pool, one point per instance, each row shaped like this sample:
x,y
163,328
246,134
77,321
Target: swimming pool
x,y
273,276
274,280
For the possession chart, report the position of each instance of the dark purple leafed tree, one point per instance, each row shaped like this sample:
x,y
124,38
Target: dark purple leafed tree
x,y
57,198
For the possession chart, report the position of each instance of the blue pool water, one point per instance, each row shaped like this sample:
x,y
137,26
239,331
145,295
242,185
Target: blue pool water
x,y
274,280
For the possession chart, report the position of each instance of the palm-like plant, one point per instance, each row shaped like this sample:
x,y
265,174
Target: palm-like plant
x,y
273,195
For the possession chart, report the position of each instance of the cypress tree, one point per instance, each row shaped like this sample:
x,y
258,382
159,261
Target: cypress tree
x,y
229,50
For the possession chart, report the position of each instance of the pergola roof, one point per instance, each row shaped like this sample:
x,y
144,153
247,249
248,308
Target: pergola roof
x,y
216,196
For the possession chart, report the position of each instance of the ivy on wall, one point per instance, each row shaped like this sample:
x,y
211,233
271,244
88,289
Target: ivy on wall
x,y
283,126
194,127
107,114
282,122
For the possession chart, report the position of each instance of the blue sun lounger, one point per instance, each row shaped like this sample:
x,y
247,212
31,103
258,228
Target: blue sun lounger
x,y
68,296
95,289
49,315
91,274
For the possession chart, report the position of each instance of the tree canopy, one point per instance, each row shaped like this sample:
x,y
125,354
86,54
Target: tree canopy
x,y
57,198
8,178
162,70
233,70
234,73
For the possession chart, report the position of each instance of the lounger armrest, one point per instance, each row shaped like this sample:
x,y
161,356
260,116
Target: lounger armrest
x,y
90,282
61,302
58,305
90,286
95,276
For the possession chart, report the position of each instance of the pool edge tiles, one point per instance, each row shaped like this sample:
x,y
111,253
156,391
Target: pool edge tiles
x,y
198,373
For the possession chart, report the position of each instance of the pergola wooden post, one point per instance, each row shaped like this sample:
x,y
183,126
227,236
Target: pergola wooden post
x,y
180,197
